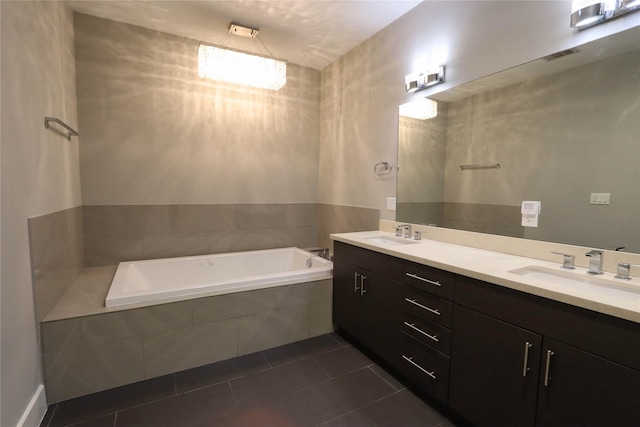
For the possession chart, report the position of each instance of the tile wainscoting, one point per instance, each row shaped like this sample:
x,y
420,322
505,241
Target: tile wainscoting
x,y
115,233
57,256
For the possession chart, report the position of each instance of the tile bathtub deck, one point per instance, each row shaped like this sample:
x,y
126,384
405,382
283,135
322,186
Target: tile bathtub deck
x,y
320,381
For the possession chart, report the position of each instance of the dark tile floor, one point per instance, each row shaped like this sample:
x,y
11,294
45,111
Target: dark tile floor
x,y
321,381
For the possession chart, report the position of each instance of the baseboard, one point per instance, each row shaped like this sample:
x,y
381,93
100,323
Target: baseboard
x,y
36,409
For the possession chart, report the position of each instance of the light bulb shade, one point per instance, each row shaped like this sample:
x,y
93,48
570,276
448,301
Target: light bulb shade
x,y
421,109
241,68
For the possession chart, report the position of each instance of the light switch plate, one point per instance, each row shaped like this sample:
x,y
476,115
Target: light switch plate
x,y
600,198
391,203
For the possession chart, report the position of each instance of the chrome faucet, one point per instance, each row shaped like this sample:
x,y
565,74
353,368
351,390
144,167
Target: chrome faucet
x,y
404,230
595,263
624,270
567,260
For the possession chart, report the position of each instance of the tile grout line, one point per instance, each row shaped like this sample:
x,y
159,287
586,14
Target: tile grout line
x,y
383,379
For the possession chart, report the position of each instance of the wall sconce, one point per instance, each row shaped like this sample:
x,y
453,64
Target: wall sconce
x,y
421,109
247,69
418,81
585,13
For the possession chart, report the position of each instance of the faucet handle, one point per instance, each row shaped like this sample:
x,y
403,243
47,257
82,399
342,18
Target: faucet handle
x,y
567,260
624,270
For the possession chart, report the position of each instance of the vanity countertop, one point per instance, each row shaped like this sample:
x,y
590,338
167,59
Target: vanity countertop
x,y
496,267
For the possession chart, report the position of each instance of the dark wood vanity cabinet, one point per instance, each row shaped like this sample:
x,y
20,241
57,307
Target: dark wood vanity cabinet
x,y
367,299
522,360
495,356
427,319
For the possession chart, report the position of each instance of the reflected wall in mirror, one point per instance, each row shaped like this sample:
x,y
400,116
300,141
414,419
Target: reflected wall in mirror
x,y
558,138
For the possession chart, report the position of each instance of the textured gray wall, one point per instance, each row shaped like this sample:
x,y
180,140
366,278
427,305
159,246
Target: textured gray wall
x,y
155,133
39,176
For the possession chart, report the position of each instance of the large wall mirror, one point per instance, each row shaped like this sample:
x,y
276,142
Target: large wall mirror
x,y
564,130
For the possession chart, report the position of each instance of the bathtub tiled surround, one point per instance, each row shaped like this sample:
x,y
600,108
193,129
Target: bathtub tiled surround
x,y
115,233
101,350
57,255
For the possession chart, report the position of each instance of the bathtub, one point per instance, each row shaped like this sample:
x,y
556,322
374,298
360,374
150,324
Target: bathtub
x,y
140,283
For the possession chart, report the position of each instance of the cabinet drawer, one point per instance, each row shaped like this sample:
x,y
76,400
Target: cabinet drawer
x,y
429,279
430,333
428,306
425,367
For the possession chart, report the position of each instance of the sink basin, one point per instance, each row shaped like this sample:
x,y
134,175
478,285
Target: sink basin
x,y
391,240
583,281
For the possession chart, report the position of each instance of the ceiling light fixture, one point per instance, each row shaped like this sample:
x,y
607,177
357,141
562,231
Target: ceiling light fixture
x,y
421,109
243,68
585,13
422,80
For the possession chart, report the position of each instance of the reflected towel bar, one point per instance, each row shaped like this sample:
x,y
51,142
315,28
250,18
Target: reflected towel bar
x,y
71,131
496,166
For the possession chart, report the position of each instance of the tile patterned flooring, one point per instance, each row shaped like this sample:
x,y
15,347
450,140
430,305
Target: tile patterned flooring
x,y
322,381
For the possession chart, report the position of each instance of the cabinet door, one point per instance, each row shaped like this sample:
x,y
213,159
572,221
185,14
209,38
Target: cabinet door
x,y
346,297
585,390
381,315
494,370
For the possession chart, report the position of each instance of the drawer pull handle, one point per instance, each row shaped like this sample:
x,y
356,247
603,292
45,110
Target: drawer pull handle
x,y
423,279
547,367
408,359
412,326
412,301
355,282
525,367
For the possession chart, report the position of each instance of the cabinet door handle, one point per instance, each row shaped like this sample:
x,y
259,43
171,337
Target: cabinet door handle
x,y
355,282
525,366
423,279
362,289
412,326
546,369
409,359
412,301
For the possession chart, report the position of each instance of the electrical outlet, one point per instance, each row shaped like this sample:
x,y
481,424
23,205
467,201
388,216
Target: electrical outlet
x,y
600,198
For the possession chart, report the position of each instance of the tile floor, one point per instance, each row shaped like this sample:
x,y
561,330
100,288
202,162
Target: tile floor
x,y
320,381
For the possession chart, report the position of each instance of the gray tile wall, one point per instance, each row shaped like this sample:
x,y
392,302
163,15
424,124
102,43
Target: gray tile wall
x,y
88,354
57,256
344,219
476,217
115,233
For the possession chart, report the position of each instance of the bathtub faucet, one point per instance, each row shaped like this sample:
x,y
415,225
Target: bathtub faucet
x,y
322,252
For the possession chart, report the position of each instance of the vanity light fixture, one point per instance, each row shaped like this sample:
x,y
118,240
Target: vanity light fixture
x,y
422,80
585,13
421,109
629,4
243,68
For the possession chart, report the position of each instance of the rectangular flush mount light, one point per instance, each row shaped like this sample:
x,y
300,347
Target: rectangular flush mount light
x,y
422,80
241,68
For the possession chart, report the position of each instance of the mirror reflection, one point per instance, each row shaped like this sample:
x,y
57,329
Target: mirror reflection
x,y
564,134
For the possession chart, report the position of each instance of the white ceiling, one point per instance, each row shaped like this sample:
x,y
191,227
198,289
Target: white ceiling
x,y
312,33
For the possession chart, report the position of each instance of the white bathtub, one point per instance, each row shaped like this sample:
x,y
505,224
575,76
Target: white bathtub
x,y
174,279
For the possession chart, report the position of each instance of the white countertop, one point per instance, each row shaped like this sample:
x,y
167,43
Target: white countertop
x,y
495,267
